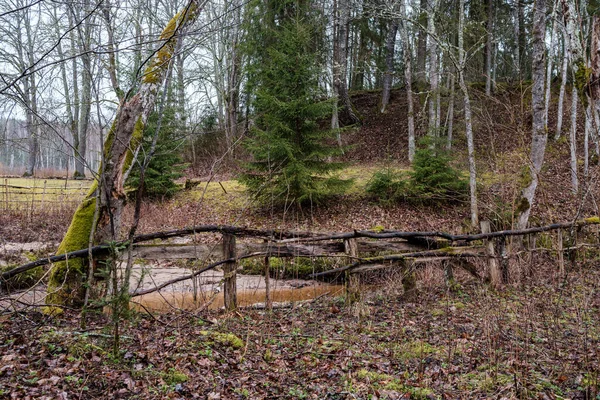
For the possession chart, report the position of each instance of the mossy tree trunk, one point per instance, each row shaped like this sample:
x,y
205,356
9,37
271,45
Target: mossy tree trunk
x,y
66,286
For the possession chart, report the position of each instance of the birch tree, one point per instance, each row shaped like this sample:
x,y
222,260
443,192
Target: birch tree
x,y
468,118
539,132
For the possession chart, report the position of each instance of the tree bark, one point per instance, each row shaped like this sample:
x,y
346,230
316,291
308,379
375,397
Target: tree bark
x,y
468,123
407,54
539,132
421,43
65,283
388,77
573,141
434,98
550,58
489,48
561,96
341,18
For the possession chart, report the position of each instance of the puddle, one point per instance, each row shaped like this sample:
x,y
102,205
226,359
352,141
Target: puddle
x,y
162,302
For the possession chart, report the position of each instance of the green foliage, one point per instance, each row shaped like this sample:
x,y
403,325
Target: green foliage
x,y
23,280
291,153
166,165
433,178
386,186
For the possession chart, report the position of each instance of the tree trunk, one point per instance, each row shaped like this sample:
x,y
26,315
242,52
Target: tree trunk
x,y
450,119
421,44
341,17
489,48
539,133
573,141
517,27
561,96
407,54
388,78
86,95
549,64
468,123
434,98
65,284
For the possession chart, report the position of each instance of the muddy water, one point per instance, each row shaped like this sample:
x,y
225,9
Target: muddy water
x,y
162,302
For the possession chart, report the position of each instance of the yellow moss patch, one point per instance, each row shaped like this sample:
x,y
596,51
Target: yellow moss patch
x,y
224,339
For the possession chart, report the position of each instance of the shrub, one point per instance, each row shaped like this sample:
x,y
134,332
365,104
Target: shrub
x,y
433,178
386,186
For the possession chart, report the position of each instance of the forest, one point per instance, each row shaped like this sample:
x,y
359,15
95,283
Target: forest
x,y
299,199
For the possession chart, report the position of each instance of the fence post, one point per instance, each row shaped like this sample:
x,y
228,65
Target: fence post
x,y
493,272
43,194
561,255
229,273
352,280
501,251
268,300
409,280
6,192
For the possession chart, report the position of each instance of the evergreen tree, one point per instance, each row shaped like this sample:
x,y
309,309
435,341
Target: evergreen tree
x,y
166,165
290,151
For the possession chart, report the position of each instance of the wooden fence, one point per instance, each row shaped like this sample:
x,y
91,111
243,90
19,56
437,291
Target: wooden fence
x,y
49,195
363,250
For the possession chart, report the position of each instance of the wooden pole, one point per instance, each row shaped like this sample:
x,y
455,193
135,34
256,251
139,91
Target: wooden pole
x,y
268,300
44,194
352,280
501,250
6,192
229,273
561,255
493,272
409,282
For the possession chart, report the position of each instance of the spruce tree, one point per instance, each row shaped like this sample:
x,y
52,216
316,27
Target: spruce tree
x,y
291,152
166,164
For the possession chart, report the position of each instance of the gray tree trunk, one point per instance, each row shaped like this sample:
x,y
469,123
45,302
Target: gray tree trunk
x,y
539,133
468,123
489,48
561,96
407,54
388,77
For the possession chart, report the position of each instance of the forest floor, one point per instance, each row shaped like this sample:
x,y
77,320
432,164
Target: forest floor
x,y
522,342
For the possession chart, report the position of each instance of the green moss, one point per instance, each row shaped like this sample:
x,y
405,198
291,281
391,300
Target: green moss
x,y
592,220
173,377
581,79
522,206
525,177
224,339
161,59
23,280
389,382
65,285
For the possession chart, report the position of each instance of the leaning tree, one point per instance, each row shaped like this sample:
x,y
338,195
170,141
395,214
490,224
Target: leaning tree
x,y
98,217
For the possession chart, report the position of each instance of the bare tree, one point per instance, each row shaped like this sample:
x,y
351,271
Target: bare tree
x,y
539,132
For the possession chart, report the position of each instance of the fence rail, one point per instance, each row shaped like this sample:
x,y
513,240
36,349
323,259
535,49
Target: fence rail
x,y
402,250
49,195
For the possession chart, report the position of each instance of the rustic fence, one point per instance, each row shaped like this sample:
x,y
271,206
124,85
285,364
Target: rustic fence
x,y
41,195
363,250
